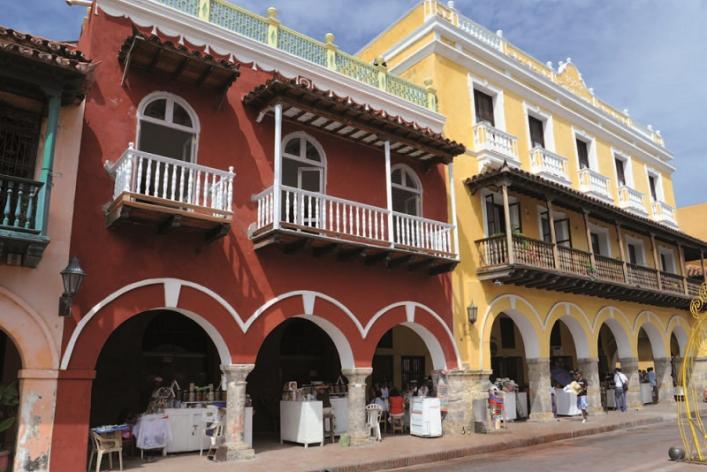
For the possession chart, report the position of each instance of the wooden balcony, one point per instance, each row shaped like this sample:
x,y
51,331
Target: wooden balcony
x,y
329,224
532,263
170,194
21,241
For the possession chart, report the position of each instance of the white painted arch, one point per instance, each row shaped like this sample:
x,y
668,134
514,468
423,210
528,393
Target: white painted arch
x,y
579,334
611,315
521,311
681,329
654,328
343,347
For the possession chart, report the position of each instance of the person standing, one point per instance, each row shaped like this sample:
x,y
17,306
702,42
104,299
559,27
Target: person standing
x,y
582,394
620,387
651,378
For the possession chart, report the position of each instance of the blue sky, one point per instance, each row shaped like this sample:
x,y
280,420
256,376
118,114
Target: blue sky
x,y
649,56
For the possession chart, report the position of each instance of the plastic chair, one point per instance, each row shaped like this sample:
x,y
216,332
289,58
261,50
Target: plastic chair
x,y
214,432
397,422
373,415
106,445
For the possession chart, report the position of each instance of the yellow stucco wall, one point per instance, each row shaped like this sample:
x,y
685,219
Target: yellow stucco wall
x,y
693,220
536,309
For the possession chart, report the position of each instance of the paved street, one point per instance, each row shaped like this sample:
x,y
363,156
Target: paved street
x,y
632,450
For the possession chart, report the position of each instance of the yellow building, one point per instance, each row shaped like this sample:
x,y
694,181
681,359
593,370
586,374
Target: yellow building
x,y
571,253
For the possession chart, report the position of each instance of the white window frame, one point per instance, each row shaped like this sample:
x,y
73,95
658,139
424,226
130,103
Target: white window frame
x,y
603,233
666,250
170,100
650,172
408,172
628,168
640,255
591,144
496,94
303,152
548,125
482,199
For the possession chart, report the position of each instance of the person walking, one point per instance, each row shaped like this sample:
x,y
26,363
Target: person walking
x,y
583,385
620,387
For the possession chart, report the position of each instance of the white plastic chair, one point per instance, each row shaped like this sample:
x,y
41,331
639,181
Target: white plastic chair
x,y
373,416
105,445
214,432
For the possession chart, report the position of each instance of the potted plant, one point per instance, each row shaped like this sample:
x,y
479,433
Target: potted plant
x,y
9,399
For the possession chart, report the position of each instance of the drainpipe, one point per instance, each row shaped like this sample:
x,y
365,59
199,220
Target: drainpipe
x,y
48,161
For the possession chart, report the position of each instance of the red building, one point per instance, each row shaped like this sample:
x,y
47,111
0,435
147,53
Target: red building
x,y
241,210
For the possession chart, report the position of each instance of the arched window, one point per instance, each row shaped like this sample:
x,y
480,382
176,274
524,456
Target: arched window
x,y
407,191
303,163
168,127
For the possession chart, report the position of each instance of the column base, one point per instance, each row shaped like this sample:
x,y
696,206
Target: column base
x,y
468,390
234,452
361,440
543,416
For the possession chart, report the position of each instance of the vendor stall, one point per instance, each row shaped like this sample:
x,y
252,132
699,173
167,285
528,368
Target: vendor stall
x,y
610,398
425,417
301,422
566,403
509,406
522,404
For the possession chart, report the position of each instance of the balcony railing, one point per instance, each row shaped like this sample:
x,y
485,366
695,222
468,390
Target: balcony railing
x,y
664,213
18,203
504,146
347,221
548,164
632,200
268,30
493,254
173,183
592,182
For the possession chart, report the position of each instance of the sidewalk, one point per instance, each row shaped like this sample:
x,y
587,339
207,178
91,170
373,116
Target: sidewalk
x,y
401,451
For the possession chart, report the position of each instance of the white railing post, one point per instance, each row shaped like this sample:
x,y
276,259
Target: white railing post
x,y
389,193
453,204
277,177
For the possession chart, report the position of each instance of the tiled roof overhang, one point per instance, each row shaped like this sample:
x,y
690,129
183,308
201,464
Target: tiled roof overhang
x,y
151,53
538,187
26,59
306,104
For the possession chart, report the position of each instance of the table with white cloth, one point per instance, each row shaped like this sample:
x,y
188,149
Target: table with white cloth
x,y
566,403
646,393
152,432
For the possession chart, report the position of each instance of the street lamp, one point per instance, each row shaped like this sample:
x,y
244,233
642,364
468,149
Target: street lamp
x,y
471,312
71,276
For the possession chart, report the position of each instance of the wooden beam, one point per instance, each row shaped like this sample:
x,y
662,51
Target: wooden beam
x,y
553,236
392,262
585,213
656,261
178,71
422,263
218,232
319,251
683,268
442,268
291,248
507,219
620,240
204,75
372,256
344,253
169,223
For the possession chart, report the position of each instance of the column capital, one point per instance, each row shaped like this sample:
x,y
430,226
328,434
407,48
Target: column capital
x,y
586,360
357,375
628,362
538,361
236,372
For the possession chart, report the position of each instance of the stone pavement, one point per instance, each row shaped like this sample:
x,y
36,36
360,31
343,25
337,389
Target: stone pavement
x,y
400,451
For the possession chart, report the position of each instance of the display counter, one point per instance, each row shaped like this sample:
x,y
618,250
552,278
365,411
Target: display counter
x,y
425,417
610,398
646,393
522,404
566,403
301,422
188,426
509,406
340,408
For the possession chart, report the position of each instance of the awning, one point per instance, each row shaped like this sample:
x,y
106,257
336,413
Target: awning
x,y
308,105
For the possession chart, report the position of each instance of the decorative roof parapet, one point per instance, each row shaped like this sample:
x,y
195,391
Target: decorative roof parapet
x,y
565,76
268,30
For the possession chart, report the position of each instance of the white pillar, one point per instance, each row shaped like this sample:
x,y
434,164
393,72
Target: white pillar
x,y
277,177
389,192
453,204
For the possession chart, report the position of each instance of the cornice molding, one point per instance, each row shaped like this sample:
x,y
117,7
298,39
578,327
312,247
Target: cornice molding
x,y
503,69
175,23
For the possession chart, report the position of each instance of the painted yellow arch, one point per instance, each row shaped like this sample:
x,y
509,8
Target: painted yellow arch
x,y
620,327
526,318
578,324
680,327
655,329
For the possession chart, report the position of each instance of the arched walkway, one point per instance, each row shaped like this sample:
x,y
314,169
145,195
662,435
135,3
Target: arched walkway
x,y
620,328
577,323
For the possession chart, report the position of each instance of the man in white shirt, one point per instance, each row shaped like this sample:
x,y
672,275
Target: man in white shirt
x,y
620,387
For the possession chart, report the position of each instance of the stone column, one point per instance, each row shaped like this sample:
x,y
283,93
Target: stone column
x,y
589,367
37,390
664,380
464,386
629,366
234,447
539,386
357,404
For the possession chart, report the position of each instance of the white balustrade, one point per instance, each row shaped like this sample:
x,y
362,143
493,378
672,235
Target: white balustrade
x,y
346,220
591,181
480,33
548,164
172,180
488,138
664,213
632,200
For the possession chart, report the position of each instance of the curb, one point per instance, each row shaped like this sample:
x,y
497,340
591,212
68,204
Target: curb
x,y
457,453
